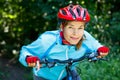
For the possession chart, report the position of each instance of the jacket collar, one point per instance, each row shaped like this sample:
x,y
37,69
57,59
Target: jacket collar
x,y
63,39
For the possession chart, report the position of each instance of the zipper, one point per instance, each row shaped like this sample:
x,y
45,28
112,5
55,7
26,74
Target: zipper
x,y
66,55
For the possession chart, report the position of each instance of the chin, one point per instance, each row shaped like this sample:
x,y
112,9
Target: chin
x,y
74,43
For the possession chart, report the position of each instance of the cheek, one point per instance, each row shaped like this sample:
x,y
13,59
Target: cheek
x,y
82,32
66,34
66,30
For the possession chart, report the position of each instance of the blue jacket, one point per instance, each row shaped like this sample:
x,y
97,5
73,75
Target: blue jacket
x,y
58,51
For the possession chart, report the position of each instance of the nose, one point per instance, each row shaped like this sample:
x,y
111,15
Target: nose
x,y
75,31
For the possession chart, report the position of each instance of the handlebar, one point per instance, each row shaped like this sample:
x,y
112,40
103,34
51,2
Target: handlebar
x,y
51,62
61,61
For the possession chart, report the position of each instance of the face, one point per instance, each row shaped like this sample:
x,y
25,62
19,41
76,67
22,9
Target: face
x,y
73,31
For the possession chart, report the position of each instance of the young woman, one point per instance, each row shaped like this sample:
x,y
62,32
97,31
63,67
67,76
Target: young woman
x,y
71,41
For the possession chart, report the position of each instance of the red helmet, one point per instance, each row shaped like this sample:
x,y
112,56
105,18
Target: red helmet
x,y
74,12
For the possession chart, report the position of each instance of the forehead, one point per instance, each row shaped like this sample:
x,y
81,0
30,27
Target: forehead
x,y
75,23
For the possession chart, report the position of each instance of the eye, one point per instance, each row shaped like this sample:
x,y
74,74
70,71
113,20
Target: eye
x,y
81,27
70,27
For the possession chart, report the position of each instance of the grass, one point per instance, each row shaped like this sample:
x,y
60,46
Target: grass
x,y
102,70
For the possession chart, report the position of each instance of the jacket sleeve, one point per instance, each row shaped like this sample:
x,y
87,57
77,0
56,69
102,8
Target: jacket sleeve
x,y
37,47
91,43
32,49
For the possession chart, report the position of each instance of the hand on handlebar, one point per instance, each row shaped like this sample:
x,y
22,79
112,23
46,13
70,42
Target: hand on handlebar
x,y
32,61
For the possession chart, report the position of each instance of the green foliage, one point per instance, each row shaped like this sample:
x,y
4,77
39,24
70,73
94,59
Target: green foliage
x,y
102,70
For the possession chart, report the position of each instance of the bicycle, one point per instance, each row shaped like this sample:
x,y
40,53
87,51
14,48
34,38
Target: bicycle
x,y
52,62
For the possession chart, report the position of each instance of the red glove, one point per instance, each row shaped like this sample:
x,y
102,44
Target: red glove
x,y
32,59
103,50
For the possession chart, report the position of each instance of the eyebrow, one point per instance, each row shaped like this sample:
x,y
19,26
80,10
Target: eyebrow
x,y
74,25
81,25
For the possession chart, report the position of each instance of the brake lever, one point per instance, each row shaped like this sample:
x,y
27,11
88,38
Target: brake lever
x,y
97,59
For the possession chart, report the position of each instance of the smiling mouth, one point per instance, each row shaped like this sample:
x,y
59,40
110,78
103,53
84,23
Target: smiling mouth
x,y
74,38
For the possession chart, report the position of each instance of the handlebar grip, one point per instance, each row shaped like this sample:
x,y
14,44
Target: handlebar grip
x,y
37,65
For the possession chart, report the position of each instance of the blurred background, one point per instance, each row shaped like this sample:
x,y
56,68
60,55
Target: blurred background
x,y
22,21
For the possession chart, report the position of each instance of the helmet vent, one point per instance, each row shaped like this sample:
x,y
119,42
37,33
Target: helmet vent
x,y
64,12
71,6
84,18
78,10
73,14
